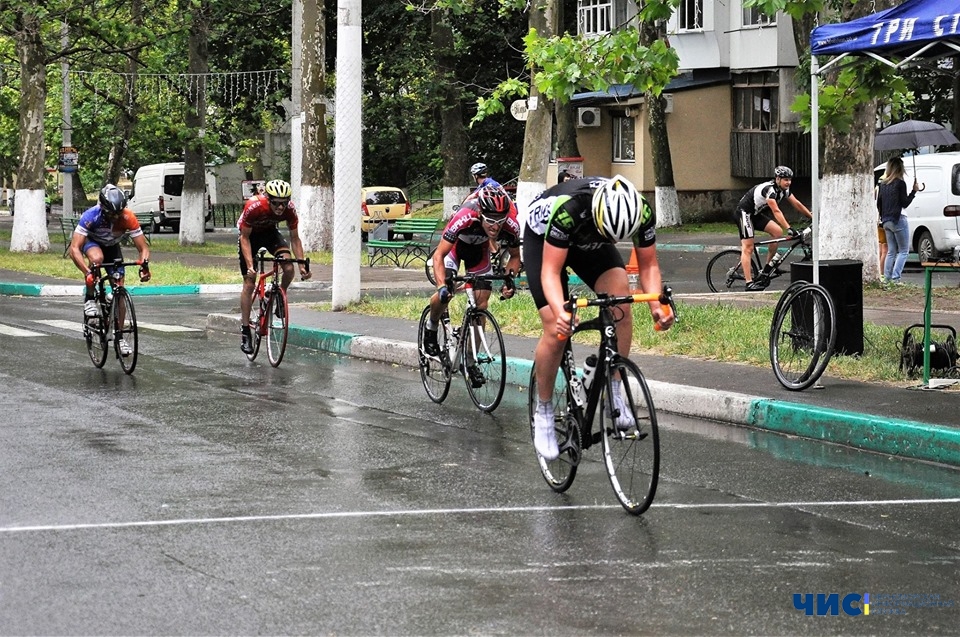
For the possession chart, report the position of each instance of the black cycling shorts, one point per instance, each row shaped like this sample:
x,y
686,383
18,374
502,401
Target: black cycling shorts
x,y
272,240
589,265
748,223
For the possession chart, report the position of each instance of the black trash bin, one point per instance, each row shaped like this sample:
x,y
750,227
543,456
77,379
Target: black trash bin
x,y
843,280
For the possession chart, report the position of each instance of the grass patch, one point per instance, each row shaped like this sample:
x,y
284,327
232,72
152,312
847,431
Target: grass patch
x,y
718,332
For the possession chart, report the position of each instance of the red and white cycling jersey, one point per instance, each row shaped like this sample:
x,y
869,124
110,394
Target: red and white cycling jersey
x,y
258,215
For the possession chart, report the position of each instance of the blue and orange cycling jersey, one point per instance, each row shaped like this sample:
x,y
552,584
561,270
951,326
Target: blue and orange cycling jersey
x,y
97,228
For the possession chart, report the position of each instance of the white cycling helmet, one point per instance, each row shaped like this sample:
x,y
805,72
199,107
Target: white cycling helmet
x,y
618,209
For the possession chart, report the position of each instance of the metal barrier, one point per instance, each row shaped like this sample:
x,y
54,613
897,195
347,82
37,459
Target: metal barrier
x,y
225,215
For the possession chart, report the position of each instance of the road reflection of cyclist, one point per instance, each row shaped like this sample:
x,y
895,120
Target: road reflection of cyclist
x,y
577,224
490,215
96,240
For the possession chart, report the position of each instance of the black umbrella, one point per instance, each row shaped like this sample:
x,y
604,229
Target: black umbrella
x,y
913,134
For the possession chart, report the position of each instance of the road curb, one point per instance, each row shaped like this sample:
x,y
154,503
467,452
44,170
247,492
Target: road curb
x,y
904,438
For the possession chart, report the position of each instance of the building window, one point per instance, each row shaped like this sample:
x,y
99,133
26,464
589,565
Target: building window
x,y
756,102
624,139
595,17
690,15
753,17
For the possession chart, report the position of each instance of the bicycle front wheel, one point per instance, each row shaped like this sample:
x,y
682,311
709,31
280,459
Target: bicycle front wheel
x,y
631,439
278,322
558,473
434,370
257,313
802,336
485,365
95,334
725,272
428,268
124,324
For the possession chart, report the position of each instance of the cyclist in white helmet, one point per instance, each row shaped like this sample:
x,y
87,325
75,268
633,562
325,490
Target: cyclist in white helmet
x,y
577,224
759,209
479,172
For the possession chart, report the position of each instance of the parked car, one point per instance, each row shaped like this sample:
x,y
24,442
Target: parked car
x,y
932,231
379,204
157,189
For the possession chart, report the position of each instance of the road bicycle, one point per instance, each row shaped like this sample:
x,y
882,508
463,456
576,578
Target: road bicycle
x,y
631,455
725,271
475,349
270,312
802,335
116,319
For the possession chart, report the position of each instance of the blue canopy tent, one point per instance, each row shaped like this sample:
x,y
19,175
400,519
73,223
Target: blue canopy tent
x,y
913,33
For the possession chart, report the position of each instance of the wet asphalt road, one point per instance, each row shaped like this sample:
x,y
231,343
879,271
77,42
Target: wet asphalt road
x,y
209,495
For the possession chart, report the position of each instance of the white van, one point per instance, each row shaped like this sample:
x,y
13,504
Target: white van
x,y
157,189
932,216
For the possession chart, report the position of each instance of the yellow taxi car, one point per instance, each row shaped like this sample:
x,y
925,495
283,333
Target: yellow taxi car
x,y
381,204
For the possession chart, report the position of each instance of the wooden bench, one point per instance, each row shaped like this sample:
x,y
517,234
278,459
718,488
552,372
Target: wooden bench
x,y
145,219
412,240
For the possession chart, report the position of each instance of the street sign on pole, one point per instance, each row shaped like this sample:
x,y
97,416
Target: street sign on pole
x,y
69,159
519,110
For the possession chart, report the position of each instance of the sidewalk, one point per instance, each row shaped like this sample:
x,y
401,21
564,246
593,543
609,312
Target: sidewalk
x,y
913,423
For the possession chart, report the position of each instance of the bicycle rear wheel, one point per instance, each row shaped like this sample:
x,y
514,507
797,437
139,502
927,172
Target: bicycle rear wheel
x,y
725,272
802,336
278,323
434,370
124,324
485,365
630,453
558,473
95,334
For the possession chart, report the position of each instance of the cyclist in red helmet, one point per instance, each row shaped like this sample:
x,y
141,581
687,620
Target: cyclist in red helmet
x,y
488,216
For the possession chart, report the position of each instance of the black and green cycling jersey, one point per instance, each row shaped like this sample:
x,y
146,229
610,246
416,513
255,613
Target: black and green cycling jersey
x,y
563,216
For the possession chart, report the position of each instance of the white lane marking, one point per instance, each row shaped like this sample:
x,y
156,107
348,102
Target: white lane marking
x,y
157,327
10,330
482,510
75,326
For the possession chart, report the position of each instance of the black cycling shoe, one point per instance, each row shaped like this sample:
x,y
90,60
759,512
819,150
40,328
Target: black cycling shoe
x,y
476,376
246,342
756,286
430,345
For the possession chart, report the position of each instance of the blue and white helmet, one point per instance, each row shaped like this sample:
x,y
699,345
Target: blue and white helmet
x,y
618,209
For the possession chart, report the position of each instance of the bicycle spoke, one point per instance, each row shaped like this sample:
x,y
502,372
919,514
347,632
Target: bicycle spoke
x,y
124,325
277,323
434,370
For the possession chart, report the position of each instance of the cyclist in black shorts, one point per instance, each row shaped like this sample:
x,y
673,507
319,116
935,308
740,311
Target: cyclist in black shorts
x,y
488,215
258,229
577,224
754,211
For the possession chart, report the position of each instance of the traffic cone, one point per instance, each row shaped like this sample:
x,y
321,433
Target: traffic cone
x,y
633,272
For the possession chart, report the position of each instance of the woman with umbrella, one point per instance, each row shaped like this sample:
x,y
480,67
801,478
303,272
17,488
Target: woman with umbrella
x,y
892,198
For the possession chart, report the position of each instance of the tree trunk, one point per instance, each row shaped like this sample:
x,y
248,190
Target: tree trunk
x,y
667,204
537,133
453,133
29,224
847,224
126,118
316,190
565,113
193,203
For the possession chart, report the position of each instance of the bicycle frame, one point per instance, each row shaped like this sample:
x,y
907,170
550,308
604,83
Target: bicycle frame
x,y
608,356
458,335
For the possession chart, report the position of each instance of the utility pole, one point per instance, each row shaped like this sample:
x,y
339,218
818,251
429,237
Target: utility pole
x,y
67,127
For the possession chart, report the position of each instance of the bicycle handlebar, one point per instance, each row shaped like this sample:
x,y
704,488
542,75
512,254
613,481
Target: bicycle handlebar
x,y
262,258
665,298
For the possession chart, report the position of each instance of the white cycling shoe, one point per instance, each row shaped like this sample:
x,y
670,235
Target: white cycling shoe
x,y
625,419
544,434
125,349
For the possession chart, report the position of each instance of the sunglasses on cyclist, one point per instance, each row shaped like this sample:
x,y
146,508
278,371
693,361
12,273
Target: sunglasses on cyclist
x,y
279,203
492,221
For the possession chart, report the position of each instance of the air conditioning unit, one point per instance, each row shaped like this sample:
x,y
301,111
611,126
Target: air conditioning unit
x,y
588,117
